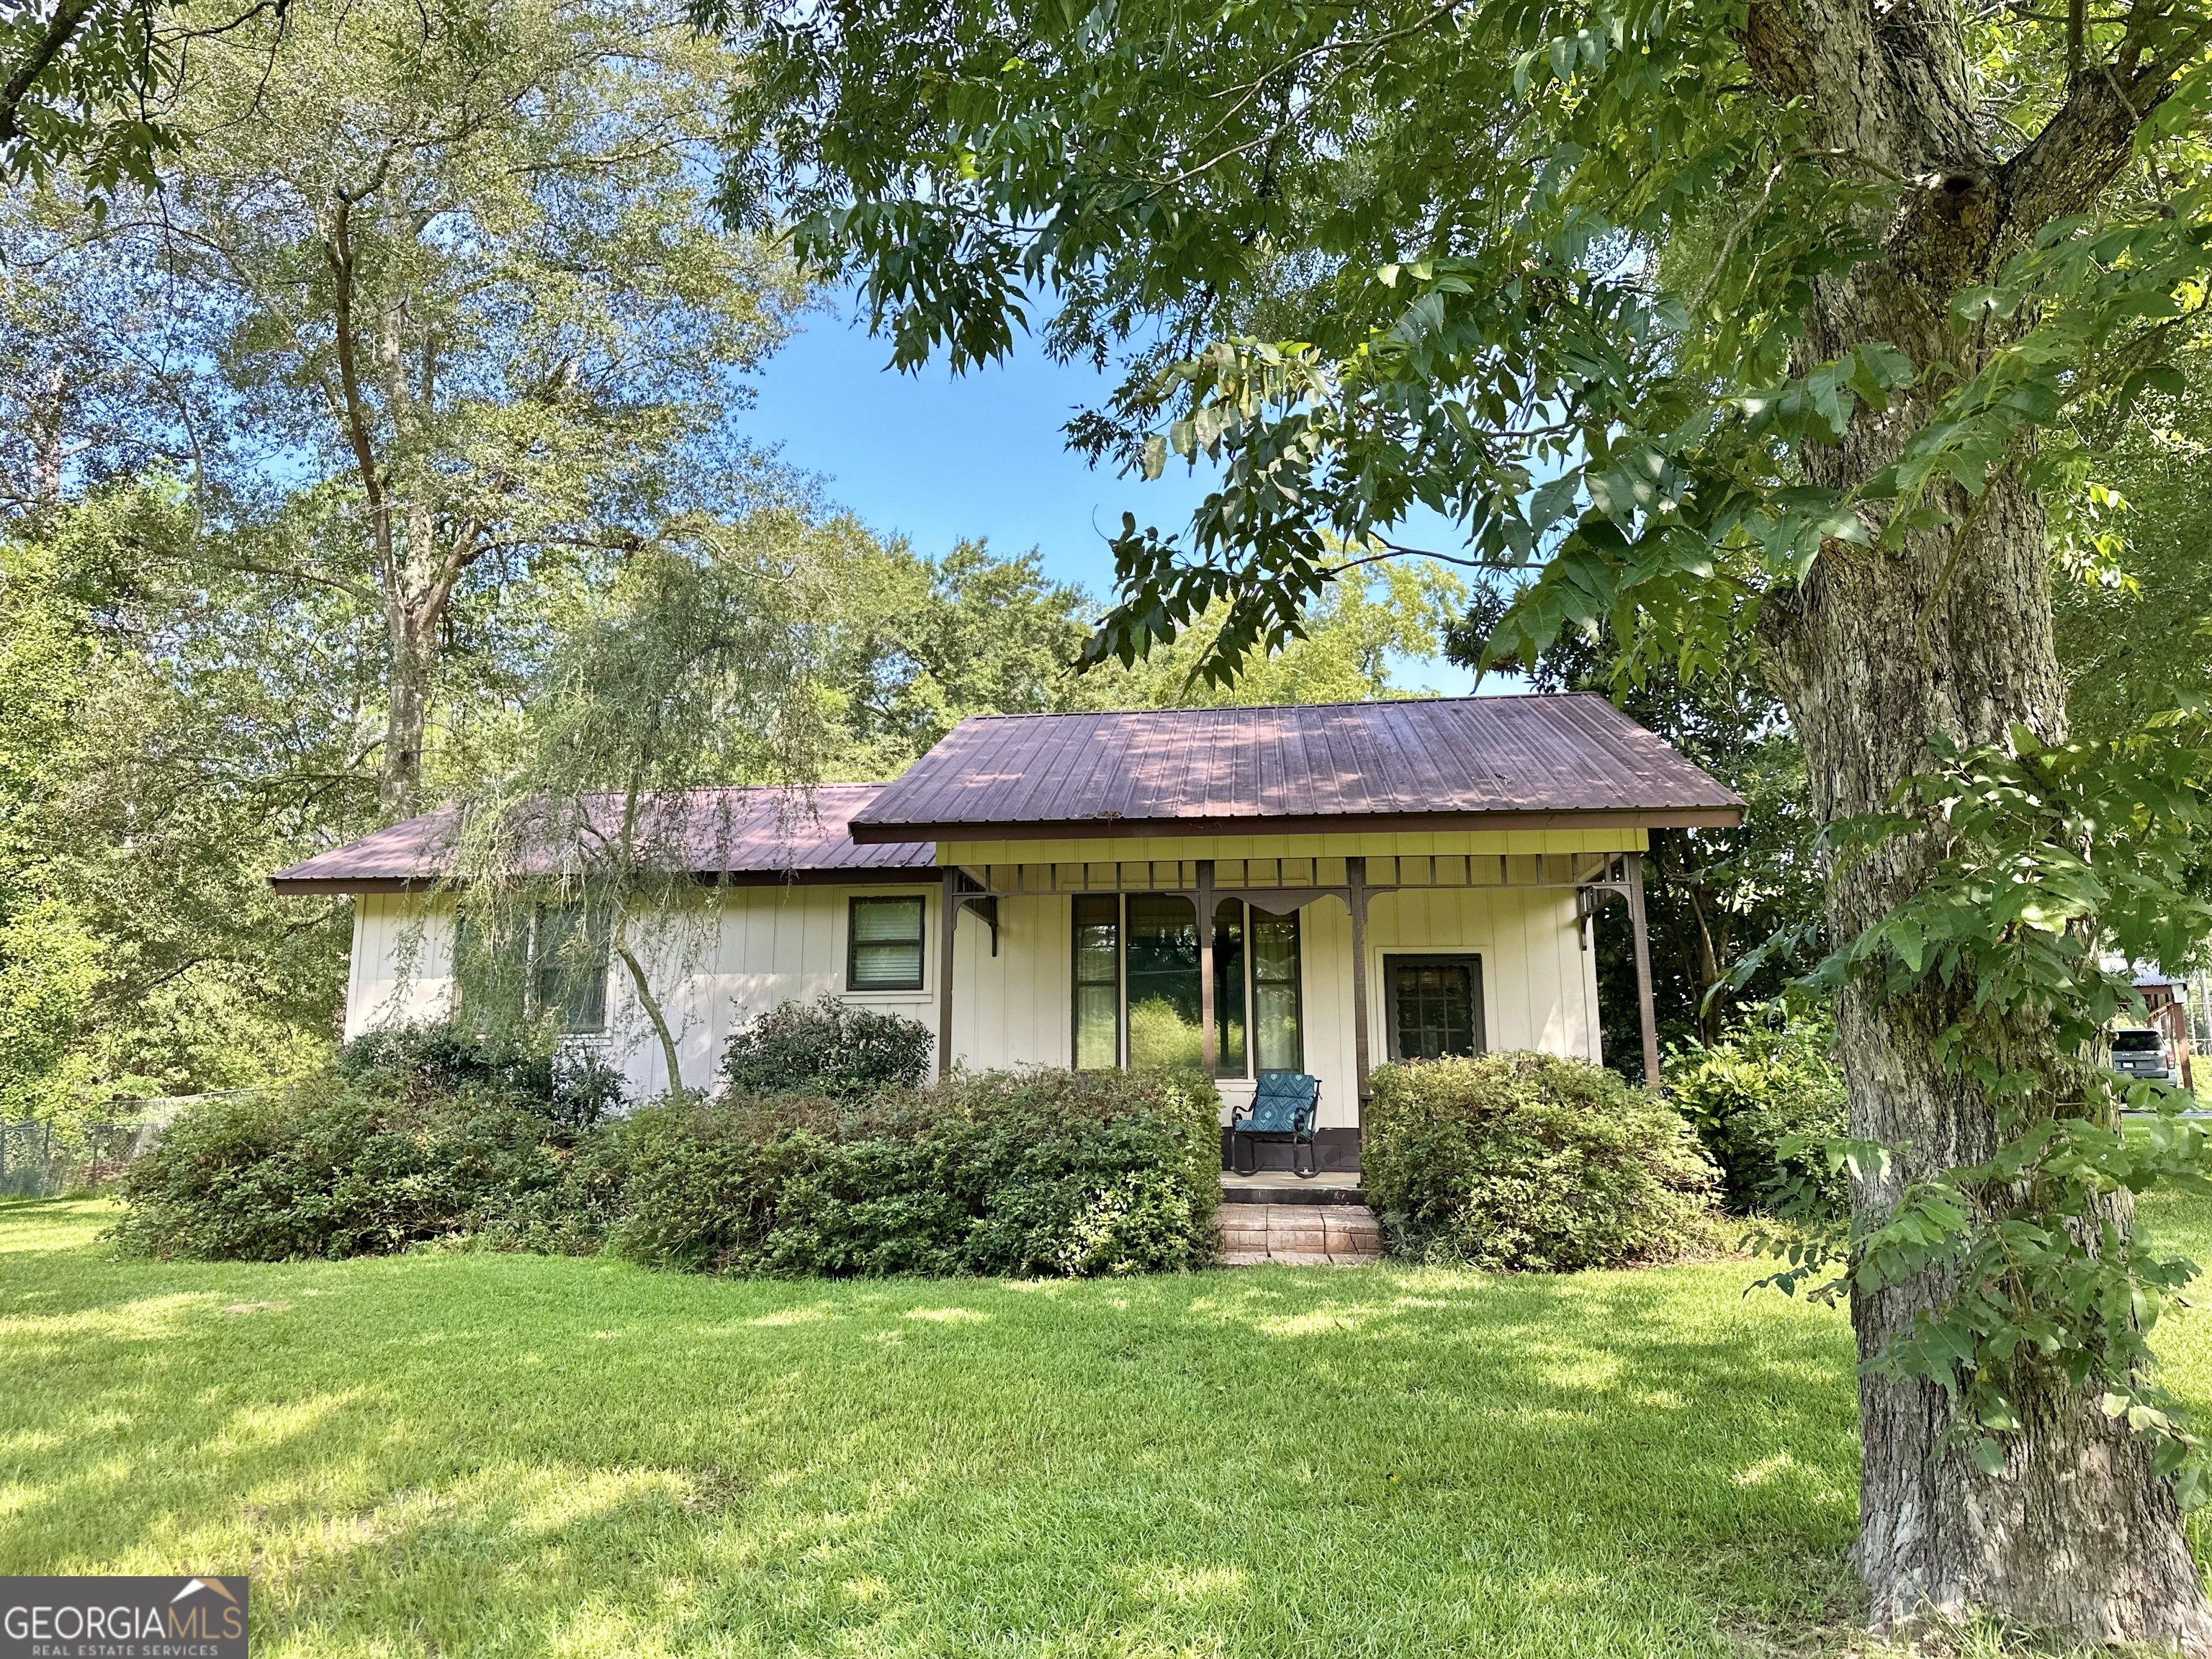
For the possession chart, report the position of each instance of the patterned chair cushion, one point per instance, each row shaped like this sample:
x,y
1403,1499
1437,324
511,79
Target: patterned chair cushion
x,y
1282,1104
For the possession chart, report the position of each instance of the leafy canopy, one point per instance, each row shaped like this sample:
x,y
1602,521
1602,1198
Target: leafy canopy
x,y
1537,269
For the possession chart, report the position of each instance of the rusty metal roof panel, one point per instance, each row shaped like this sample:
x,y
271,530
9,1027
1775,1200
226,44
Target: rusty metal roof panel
x,y
742,834
1469,761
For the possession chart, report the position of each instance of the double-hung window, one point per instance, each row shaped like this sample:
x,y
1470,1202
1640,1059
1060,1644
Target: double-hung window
x,y
885,944
1277,1036
548,963
569,968
1098,981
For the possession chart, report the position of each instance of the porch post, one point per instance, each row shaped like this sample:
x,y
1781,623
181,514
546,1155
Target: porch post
x,y
1355,871
1644,1011
945,928
1208,1059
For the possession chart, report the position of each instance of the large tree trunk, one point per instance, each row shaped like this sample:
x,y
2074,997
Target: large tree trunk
x,y
410,684
410,634
1879,652
2075,1532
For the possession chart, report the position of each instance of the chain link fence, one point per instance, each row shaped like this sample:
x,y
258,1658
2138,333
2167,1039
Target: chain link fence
x,y
47,1157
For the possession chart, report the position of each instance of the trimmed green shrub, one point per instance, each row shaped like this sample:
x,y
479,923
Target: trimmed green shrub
x,y
1007,1173
1759,1098
825,1048
332,1167
416,1133
572,1087
1531,1161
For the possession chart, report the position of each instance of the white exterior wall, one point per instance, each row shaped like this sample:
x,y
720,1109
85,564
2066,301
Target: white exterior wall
x,y
1538,985
751,949
1017,1008
740,953
403,962
754,948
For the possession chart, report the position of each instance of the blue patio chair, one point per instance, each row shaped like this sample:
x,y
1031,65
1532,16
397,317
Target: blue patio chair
x,y
1283,1107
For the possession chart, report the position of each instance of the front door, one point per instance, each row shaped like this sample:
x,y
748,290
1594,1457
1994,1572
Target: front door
x,y
1435,1006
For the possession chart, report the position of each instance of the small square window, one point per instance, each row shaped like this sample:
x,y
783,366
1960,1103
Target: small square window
x,y
885,947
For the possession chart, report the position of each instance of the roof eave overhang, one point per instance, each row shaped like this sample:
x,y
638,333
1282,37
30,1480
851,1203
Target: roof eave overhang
x,y
1642,817
865,876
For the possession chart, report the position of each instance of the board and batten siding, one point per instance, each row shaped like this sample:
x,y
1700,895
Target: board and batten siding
x,y
403,962
1538,985
750,950
755,948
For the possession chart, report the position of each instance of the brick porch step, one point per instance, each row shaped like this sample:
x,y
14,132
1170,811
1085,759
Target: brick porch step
x,y
1306,1235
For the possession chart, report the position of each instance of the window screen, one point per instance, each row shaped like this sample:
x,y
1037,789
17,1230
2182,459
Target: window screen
x,y
1228,988
569,968
491,963
886,944
1163,971
1435,1006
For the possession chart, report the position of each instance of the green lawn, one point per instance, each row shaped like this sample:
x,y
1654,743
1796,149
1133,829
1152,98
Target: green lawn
x,y
455,1454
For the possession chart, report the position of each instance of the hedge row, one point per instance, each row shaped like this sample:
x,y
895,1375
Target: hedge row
x,y
1005,1173
822,1158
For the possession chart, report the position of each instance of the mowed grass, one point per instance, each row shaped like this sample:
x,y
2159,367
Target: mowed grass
x,y
466,1454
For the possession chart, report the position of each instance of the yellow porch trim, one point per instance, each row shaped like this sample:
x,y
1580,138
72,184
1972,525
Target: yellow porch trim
x,y
1165,849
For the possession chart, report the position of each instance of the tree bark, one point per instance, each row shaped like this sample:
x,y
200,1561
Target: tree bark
x,y
2075,1532
651,1003
417,566
48,413
1878,653
411,636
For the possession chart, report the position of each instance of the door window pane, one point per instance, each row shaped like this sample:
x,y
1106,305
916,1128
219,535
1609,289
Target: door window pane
x,y
886,944
1277,1039
1228,988
1163,970
1098,981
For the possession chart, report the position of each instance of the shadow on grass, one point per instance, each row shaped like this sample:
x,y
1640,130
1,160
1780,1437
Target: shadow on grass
x,y
475,1454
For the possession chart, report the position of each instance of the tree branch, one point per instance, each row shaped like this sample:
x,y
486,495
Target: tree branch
x,y
61,28
338,250
367,596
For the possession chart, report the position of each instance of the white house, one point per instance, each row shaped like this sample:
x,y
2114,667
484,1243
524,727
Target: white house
x,y
1246,890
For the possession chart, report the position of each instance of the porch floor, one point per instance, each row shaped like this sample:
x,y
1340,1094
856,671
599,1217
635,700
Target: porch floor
x,y
1281,1186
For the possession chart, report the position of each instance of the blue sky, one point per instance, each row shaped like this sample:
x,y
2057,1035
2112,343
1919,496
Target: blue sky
x,y
936,458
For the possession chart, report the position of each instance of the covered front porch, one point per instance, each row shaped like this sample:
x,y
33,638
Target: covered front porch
x,y
1240,956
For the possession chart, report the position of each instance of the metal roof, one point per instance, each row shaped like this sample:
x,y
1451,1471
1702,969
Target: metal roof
x,y
745,836
1461,762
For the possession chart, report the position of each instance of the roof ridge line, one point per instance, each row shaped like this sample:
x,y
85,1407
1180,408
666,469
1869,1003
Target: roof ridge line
x,y
1265,708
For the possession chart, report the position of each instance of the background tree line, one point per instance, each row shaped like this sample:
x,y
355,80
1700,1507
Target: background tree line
x,y
408,356
321,432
